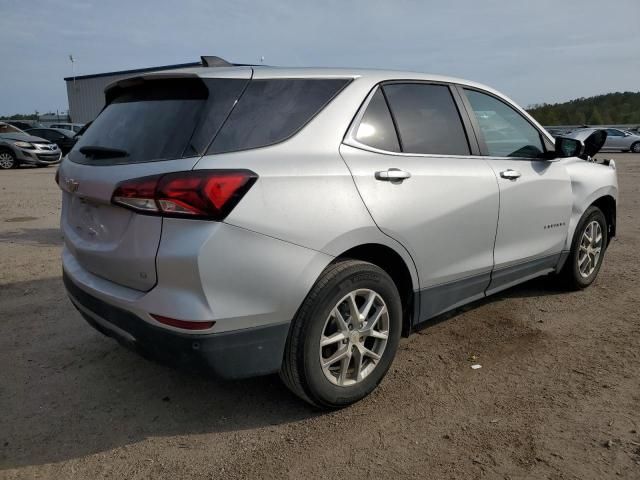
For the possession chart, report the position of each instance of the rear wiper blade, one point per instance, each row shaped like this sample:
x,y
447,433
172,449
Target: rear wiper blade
x,y
97,151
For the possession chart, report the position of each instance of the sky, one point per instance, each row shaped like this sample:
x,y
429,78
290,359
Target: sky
x,y
534,51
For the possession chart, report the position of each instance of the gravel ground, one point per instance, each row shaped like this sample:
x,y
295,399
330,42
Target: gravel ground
x,y
558,394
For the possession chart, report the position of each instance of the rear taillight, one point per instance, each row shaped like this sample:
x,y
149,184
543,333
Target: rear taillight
x,y
202,194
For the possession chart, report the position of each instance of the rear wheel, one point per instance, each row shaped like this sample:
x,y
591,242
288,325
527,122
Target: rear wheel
x,y
635,148
345,335
7,160
587,250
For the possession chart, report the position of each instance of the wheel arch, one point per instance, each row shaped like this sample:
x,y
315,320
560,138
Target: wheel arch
x,y
607,204
397,268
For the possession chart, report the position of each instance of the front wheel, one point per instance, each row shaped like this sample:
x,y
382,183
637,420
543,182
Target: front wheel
x,y
635,148
345,335
7,160
587,250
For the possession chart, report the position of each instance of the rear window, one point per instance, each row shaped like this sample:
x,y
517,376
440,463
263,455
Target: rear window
x,y
159,119
270,111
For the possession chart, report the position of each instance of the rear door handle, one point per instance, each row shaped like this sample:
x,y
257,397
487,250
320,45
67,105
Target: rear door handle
x,y
510,174
392,175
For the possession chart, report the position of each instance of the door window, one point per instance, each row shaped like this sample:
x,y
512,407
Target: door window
x,y
506,132
376,127
612,132
427,119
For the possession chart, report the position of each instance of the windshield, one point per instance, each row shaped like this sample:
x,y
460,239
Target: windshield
x,y
6,128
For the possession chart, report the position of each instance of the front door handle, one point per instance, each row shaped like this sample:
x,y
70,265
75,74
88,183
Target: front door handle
x,y
392,175
510,174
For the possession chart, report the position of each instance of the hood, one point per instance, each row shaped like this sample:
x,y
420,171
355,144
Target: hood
x,y
22,137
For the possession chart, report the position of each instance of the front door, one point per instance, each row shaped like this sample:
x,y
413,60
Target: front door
x,y
615,140
412,164
535,194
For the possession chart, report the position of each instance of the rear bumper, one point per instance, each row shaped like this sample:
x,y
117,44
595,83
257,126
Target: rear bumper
x,y
238,354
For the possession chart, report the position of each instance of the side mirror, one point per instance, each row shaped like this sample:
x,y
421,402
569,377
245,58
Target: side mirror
x,y
582,143
568,147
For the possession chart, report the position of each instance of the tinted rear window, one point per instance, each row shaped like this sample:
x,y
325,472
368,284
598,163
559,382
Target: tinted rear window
x,y
427,119
160,119
270,111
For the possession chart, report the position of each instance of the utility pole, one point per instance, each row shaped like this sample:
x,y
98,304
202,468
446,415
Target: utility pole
x,y
73,70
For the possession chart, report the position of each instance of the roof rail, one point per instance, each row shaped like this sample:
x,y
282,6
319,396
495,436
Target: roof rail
x,y
213,61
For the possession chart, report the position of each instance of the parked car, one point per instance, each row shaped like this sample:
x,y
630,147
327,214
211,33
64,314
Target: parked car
x,y
558,132
65,139
622,140
18,147
84,128
24,124
301,220
74,127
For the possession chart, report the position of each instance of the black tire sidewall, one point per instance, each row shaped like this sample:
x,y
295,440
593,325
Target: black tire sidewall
x,y
592,213
633,147
318,387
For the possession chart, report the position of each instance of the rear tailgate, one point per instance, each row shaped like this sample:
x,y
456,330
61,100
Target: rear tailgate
x,y
109,241
151,126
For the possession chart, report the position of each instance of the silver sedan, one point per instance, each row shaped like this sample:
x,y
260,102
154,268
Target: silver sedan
x,y
622,140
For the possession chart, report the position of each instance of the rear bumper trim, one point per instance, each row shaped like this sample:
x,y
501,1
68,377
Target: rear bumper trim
x,y
238,354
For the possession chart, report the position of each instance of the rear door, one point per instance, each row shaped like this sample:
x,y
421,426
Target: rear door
x,y
535,194
413,165
150,126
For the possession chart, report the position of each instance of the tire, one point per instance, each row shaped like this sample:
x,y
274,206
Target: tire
x,y
302,371
571,275
7,160
635,148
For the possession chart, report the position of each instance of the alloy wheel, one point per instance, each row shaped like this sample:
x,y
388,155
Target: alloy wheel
x,y
6,160
590,248
354,337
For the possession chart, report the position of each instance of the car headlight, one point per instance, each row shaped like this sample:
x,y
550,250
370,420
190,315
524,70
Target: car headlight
x,y
24,145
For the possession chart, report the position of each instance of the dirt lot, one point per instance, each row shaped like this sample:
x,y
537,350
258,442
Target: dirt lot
x,y
558,395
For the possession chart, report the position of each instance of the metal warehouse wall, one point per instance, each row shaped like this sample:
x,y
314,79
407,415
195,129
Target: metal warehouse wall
x,y
86,93
86,96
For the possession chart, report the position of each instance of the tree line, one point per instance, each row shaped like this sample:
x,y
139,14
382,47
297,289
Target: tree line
x,y
609,109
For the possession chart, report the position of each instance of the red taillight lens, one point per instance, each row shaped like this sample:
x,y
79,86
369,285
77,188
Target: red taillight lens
x,y
184,324
203,194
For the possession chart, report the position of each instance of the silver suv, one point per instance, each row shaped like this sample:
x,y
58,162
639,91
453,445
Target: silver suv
x,y
260,220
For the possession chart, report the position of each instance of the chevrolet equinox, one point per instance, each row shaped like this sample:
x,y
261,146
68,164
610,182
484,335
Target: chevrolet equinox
x,y
257,220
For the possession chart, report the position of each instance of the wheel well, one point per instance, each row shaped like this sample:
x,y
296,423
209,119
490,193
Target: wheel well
x,y
392,263
608,206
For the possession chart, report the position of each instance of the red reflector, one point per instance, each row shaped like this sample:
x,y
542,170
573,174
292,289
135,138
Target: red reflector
x,y
203,194
184,324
